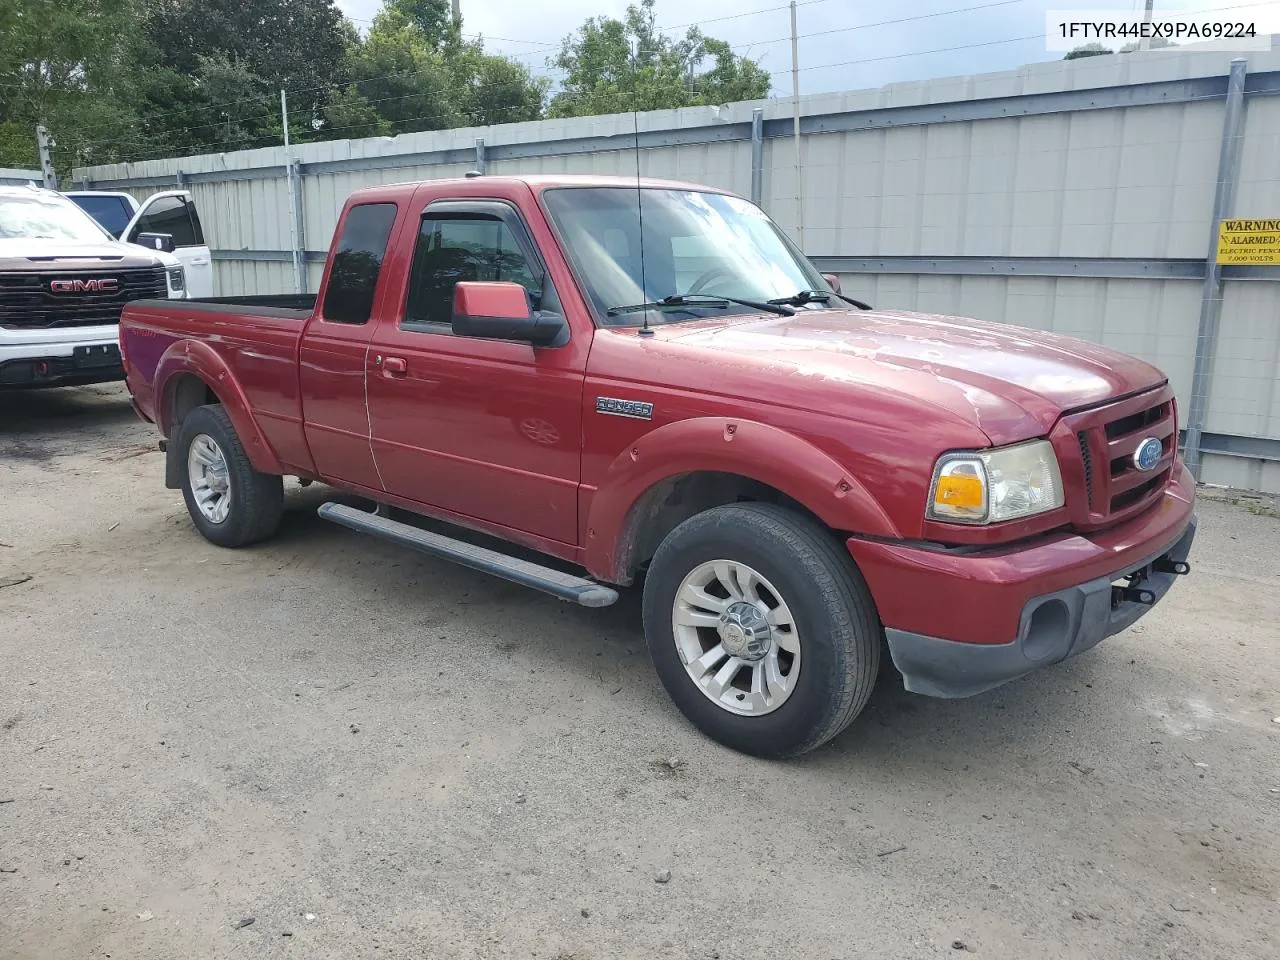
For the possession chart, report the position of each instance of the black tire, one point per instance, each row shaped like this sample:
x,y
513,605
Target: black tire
x,y
835,617
256,499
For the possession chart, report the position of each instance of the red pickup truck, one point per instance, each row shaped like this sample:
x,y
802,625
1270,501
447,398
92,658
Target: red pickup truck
x,y
647,380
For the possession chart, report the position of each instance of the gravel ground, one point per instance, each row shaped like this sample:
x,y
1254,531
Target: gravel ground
x,y
367,753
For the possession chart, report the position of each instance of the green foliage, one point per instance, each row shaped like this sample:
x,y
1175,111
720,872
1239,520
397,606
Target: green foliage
x,y
403,73
138,79
1088,50
614,66
64,62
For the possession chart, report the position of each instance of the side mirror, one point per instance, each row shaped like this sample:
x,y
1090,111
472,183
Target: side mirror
x,y
156,241
832,281
501,311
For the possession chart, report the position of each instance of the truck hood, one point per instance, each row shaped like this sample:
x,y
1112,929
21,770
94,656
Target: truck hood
x,y
27,253
1011,382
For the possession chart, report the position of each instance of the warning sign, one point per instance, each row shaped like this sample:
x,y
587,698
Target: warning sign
x,y
1249,241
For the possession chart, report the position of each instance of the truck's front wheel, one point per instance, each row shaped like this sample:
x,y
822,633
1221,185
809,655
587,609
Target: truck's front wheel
x,y
230,502
761,628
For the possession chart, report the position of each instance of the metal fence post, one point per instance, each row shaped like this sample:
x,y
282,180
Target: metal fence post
x,y
45,144
757,155
180,179
1211,296
298,231
480,154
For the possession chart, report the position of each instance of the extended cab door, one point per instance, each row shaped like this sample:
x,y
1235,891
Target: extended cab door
x,y
334,351
174,212
487,429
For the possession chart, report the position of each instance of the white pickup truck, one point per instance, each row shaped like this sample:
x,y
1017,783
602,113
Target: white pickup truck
x,y
63,283
170,213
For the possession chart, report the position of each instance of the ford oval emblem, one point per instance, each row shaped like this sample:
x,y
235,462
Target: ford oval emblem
x,y
1148,454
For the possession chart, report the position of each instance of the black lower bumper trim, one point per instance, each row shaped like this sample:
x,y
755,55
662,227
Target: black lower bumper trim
x,y
1053,627
100,364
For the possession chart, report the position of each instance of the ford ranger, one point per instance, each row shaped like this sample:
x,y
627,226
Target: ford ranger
x,y
646,381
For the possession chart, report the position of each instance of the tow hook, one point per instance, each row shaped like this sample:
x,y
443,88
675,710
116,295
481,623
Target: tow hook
x,y
1165,565
1132,595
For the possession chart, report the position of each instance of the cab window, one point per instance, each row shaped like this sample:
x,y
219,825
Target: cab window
x,y
357,262
462,247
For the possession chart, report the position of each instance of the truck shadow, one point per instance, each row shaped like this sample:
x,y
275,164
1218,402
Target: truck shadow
x,y
897,731
36,424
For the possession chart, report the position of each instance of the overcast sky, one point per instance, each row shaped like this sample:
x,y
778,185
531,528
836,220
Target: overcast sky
x,y
985,35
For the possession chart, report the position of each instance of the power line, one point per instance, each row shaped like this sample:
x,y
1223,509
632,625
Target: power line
x,y
736,16
880,23
914,53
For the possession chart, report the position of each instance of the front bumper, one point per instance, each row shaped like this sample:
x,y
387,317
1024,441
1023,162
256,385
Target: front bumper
x,y
59,357
959,623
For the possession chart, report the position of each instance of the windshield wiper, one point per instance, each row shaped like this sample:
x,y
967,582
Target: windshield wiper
x,y
704,300
802,297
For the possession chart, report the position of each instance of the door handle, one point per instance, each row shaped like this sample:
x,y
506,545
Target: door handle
x,y
394,366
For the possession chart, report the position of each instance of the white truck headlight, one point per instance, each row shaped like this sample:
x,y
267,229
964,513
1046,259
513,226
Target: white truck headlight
x,y
989,486
177,281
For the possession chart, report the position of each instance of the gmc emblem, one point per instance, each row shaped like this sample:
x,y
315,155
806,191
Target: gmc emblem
x,y
104,285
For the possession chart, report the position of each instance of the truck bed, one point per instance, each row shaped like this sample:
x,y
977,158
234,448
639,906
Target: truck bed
x,y
252,341
301,304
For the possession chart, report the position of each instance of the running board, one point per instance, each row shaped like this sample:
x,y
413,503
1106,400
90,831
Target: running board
x,y
566,586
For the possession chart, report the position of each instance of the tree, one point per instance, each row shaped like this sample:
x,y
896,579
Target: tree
x,y
1088,50
297,43
415,70
494,89
614,66
63,63
399,70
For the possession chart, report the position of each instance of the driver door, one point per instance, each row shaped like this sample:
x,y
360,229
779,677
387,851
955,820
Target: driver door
x,y
488,429
174,212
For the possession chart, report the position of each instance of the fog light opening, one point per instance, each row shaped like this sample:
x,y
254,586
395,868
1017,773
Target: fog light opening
x,y
1047,631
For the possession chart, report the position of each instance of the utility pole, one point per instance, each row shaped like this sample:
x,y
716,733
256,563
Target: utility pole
x,y
1144,43
295,242
795,127
284,116
44,143
457,11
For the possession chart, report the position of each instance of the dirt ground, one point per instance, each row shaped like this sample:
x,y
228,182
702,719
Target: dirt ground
x,y
368,753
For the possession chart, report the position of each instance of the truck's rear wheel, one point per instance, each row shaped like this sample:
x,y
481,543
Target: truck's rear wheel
x,y
230,502
761,628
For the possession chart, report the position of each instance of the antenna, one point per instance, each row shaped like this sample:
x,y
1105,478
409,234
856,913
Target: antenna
x,y
645,331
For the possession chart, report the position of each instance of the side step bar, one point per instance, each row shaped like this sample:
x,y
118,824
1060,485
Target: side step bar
x,y
566,586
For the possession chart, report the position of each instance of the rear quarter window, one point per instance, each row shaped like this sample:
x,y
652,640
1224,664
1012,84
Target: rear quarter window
x,y
357,263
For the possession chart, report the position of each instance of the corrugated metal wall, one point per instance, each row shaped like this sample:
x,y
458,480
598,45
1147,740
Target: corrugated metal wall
x,y
1124,174
17,177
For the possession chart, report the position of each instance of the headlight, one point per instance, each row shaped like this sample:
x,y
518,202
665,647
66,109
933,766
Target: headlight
x,y
177,279
988,486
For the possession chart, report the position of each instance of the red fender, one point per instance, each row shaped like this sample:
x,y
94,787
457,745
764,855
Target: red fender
x,y
198,358
757,451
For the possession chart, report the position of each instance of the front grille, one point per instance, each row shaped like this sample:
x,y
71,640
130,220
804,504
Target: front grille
x,y
27,302
1086,457
1136,421
1107,439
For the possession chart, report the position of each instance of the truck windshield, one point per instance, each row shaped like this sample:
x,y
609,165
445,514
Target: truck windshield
x,y
46,218
692,243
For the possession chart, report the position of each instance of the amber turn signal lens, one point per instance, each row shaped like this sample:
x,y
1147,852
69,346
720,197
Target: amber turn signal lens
x,y
959,490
